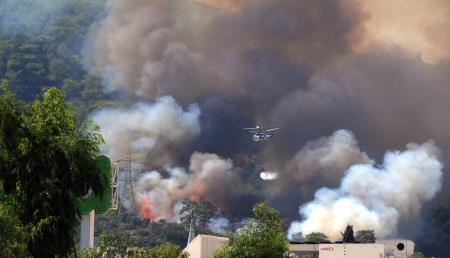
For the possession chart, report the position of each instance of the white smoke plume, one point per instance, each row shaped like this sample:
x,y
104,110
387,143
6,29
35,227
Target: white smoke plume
x,y
208,178
319,163
158,59
144,128
219,225
327,156
376,197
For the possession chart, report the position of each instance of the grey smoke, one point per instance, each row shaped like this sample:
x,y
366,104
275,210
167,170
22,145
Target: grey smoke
x,y
376,97
376,197
327,157
286,63
219,225
321,162
190,50
148,130
209,177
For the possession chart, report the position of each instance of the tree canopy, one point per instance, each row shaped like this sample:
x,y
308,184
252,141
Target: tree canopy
x,y
13,234
348,235
166,250
261,237
122,244
47,164
199,212
35,59
365,236
316,237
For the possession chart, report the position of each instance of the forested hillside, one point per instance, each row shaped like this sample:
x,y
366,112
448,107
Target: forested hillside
x,y
142,231
35,58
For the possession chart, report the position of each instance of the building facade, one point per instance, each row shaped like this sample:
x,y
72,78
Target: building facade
x,y
204,246
398,248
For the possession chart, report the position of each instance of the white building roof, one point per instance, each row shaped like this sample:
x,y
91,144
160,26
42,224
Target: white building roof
x,y
204,246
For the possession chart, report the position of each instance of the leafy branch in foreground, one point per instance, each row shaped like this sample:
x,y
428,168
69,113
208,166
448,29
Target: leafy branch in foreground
x,y
261,237
47,164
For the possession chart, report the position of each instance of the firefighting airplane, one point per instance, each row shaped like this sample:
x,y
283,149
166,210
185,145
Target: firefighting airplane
x,y
261,133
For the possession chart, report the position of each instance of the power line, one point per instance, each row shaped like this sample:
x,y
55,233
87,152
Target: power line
x,y
127,174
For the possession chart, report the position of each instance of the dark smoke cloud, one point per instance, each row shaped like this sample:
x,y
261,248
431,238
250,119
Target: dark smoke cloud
x,y
386,101
288,63
222,120
259,49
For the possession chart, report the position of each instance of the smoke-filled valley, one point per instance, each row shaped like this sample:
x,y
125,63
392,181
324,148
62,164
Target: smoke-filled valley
x,y
359,91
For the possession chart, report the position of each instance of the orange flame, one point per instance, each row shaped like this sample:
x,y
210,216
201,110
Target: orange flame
x,y
148,210
197,192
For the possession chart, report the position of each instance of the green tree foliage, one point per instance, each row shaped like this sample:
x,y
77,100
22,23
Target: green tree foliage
x,y
297,237
111,244
166,250
89,253
115,243
145,232
316,237
261,237
418,255
348,235
52,56
13,235
199,212
47,164
365,236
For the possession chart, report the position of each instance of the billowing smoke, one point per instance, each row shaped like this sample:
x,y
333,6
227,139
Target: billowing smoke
x,y
157,59
190,50
408,28
373,96
318,163
310,67
326,158
209,178
219,225
376,197
151,132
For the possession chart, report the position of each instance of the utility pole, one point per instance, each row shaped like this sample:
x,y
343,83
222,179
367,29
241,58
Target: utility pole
x,y
115,188
127,174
